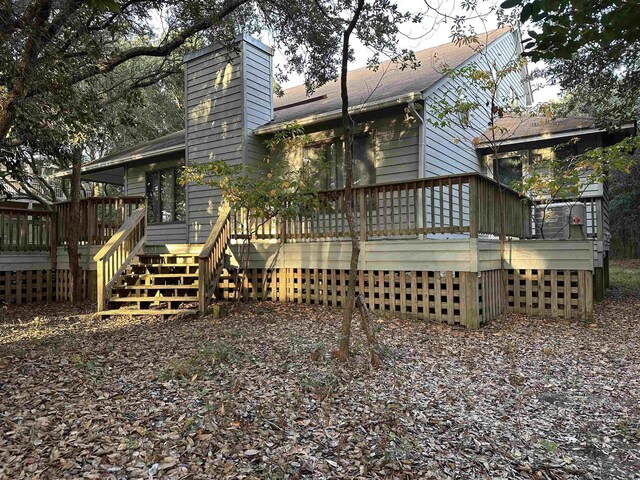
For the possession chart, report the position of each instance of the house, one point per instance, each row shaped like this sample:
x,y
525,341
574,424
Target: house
x,y
521,141
427,211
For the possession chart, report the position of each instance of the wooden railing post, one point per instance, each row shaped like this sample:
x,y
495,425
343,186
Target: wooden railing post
x,y
114,257
474,206
283,231
363,214
53,248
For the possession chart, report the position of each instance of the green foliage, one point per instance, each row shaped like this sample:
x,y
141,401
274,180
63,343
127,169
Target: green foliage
x,y
566,26
593,53
493,101
554,177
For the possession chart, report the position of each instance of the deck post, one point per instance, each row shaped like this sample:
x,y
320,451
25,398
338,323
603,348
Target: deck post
x,y
363,215
53,254
474,206
470,315
283,231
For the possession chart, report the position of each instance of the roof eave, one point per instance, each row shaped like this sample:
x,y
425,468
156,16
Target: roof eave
x,y
548,136
335,114
116,162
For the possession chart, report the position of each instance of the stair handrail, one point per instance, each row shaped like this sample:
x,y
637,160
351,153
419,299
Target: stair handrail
x,y
116,255
211,257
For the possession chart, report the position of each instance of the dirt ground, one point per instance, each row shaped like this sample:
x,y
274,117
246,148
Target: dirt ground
x,y
256,394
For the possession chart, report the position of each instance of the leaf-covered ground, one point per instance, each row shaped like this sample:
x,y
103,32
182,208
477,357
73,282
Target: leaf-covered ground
x,y
256,394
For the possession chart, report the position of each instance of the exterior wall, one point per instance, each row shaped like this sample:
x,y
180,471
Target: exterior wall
x,y
257,98
227,95
135,184
537,254
395,144
449,150
457,255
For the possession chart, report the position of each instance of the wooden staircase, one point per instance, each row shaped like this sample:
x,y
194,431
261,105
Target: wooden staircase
x,y
156,284
131,282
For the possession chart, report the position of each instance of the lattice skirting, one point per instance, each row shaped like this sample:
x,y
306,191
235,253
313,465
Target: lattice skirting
x,y
63,285
450,297
31,286
456,298
26,286
550,293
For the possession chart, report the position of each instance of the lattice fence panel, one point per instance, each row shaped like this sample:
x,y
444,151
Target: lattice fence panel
x,y
550,293
432,295
26,286
63,285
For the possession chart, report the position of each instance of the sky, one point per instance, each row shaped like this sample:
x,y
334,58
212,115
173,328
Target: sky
x,y
430,34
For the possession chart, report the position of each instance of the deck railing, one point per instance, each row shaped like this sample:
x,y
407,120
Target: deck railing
x,y
100,217
454,204
24,230
211,258
116,255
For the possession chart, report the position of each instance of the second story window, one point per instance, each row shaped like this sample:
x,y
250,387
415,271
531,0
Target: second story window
x,y
324,163
165,196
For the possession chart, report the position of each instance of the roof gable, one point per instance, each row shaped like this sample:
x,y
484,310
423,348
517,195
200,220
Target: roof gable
x,y
368,86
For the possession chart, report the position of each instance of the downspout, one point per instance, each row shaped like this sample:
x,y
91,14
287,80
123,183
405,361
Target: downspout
x,y
421,163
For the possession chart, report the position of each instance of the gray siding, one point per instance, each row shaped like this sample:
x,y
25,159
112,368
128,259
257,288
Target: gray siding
x,y
227,95
257,99
136,185
449,150
395,144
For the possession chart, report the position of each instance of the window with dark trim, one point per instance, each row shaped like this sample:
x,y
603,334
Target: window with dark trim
x,y
165,196
509,168
324,163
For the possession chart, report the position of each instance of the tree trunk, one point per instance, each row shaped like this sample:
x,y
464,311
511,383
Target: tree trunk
x,y
347,204
367,327
73,229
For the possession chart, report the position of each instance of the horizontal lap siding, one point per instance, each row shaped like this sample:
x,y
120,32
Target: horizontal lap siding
x,y
136,185
228,95
24,261
449,150
452,255
537,254
214,129
396,149
395,143
258,99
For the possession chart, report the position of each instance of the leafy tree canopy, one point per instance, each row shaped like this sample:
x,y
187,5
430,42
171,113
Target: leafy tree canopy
x,y
593,53
567,26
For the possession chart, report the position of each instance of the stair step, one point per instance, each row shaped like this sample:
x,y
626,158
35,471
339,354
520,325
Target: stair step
x,y
154,299
156,287
157,265
161,275
149,311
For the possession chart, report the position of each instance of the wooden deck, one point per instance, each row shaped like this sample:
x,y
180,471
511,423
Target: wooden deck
x,y
429,248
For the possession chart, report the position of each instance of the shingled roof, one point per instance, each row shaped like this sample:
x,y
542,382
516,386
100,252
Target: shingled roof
x,y
512,128
386,83
165,144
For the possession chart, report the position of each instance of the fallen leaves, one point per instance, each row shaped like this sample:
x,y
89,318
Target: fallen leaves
x,y
256,394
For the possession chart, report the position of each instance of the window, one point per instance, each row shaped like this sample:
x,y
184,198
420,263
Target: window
x,y
325,163
509,168
165,196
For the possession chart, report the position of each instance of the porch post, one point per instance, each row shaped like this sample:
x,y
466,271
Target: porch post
x,y
474,207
